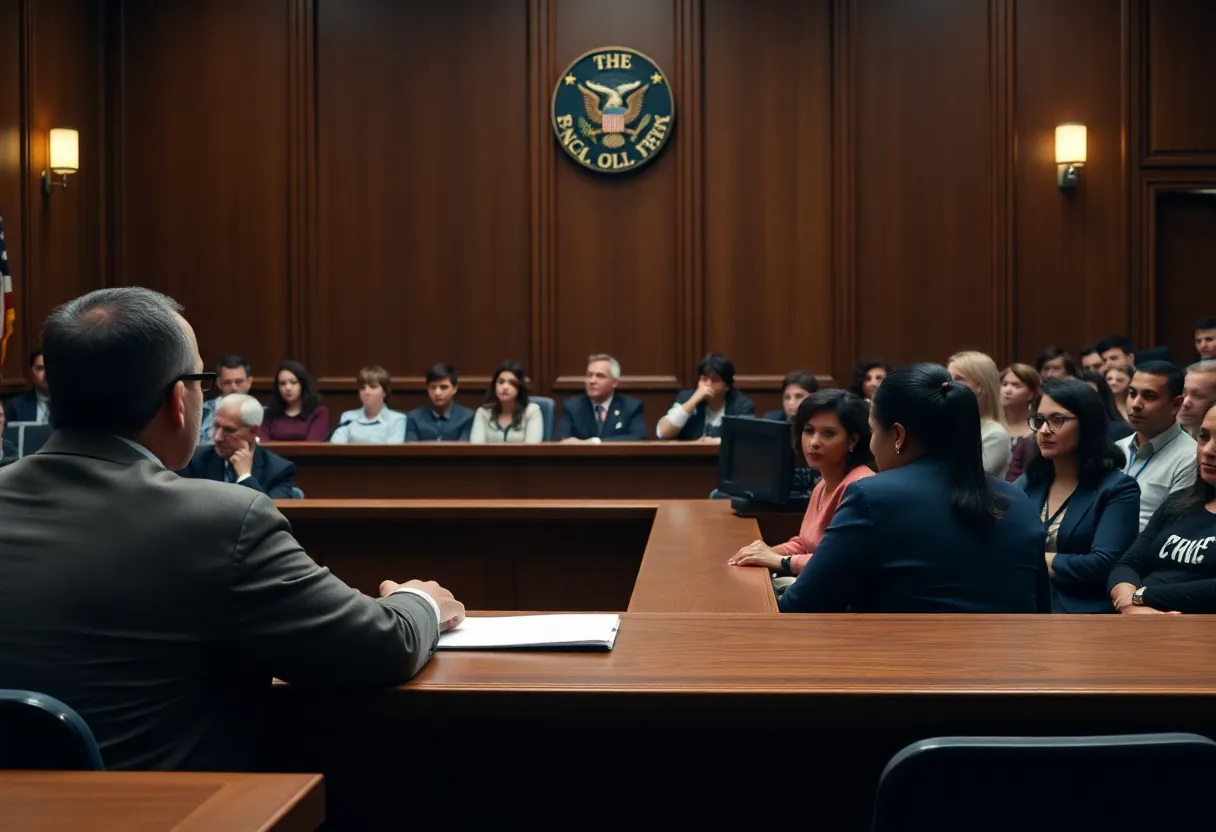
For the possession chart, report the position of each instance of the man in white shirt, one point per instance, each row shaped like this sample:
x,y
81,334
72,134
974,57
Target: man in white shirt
x,y
234,375
1161,457
697,414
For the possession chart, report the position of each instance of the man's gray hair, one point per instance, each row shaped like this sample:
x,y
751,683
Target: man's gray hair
x,y
1208,365
251,410
112,357
614,366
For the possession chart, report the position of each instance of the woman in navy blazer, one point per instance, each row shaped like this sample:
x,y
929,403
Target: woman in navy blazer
x,y
1089,508
932,532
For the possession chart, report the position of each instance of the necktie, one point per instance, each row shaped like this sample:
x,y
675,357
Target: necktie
x,y
599,417
229,474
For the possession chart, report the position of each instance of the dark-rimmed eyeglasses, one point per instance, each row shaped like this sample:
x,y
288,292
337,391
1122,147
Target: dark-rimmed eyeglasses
x,y
1054,422
205,380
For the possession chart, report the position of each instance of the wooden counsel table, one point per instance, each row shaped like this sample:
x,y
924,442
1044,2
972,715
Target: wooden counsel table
x,y
711,705
117,801
458,470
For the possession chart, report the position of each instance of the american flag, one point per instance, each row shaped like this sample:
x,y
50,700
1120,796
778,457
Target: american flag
x,y
614,119
7,313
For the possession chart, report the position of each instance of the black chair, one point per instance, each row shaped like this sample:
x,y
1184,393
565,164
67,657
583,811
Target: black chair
x,y
1158,781
38,732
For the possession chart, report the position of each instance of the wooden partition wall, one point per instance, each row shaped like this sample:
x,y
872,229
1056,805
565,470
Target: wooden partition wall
x,y
358,181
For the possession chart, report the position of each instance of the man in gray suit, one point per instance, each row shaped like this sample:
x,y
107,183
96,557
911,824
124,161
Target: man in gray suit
x,y
161,607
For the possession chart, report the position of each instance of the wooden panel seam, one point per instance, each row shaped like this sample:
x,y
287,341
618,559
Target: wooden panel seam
x,y
844,260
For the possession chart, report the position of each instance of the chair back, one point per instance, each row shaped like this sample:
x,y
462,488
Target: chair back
x,y
38,732
297,493
547,406
1045,783
29,437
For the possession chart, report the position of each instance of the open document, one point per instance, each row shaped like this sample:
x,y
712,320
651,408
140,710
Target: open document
x,y
593,631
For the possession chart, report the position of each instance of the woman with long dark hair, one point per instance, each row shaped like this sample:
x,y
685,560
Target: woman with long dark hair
x,y
507,415
1172,565
831,432
932,532
868,374
1115,426
295,413
1090,509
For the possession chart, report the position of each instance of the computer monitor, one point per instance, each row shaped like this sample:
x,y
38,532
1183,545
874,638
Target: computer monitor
x,y
756,460
29,437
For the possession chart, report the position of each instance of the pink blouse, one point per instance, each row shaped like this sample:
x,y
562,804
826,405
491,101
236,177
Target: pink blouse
x,y
818,515
285,428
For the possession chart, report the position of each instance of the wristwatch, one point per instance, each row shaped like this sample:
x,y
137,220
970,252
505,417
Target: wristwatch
x,y
1138,597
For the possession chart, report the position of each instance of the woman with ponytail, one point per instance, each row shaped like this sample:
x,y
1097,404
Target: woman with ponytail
x,y
932,532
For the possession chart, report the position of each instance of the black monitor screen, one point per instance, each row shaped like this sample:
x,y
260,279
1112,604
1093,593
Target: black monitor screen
x,y
757,460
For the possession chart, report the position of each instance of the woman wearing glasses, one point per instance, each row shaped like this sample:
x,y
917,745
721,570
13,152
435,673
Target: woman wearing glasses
x,y
1088,506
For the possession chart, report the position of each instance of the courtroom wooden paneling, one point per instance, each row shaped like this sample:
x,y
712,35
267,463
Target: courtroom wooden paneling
x,y
432,470
1180,66
201,191
928,154
423,183
104,800
768,187
615,280
517,555
1185,247
1071,246
12,181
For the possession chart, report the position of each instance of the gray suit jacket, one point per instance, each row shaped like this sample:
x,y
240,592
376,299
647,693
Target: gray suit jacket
x,y
161,607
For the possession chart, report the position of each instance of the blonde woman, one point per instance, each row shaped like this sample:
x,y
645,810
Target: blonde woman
x,y
979,373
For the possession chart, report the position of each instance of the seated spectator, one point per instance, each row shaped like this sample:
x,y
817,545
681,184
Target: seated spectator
x,y
295,413
868,374
1117,379
34,405
1116,350
1054,362
445,419
1170,567
235,376
507,415
1115,426
1205,339
1198,391
697,414
932,532
374,423
236,456
1019,392
8,451
831,432
1160,455
978,372
601,414
1090,509
795,387
1091,359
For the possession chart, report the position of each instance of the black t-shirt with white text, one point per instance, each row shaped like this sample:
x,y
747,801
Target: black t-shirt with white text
x,y
1174,559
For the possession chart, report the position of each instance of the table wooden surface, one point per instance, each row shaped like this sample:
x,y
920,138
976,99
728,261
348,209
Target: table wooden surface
x,y
459,470
114,801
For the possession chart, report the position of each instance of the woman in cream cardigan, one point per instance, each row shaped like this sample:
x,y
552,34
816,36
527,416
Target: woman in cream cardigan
x,y
507,415
979,372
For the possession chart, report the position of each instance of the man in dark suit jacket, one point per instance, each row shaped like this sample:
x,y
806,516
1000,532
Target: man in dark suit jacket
x,y
236,456
160,607
601,414
445,419
34,405
697,414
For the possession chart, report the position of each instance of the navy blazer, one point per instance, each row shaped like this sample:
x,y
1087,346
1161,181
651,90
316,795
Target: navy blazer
x,y
273,475
777,415
421,424
23,407
895,545
737,404
1100,524
624,422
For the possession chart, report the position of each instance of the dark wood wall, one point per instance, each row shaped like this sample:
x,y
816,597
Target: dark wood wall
x,y
359,181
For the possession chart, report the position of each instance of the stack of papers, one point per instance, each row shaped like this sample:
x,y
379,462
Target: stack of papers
x,y
595,631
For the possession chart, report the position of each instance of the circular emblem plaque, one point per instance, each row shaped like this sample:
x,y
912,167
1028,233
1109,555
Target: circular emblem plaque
x,y
612,110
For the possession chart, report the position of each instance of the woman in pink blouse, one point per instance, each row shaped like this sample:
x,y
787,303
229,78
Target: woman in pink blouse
x,y
295,413
832,431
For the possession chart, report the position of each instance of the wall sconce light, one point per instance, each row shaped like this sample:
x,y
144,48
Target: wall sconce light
x,y
63,155
1070,154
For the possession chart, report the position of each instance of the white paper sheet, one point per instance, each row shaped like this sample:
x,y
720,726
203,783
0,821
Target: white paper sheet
x,y
593,631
